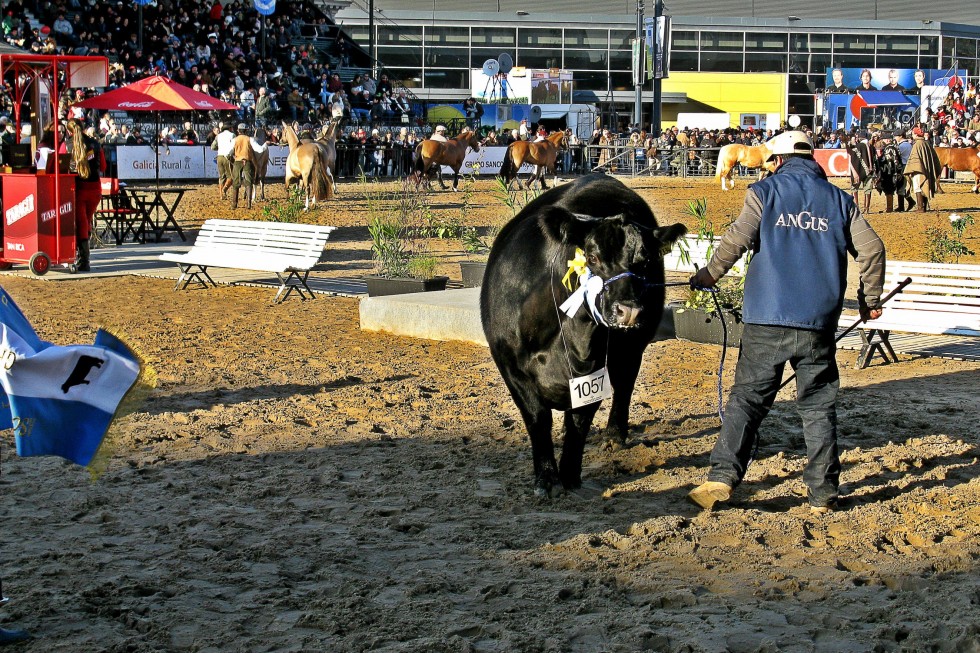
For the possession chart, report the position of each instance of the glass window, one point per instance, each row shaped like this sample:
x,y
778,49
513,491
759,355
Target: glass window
x,y
591,81
621,40
447,58
757,62
410,77
357,33
394,56
854,43
496,37
595,59
620,60
966,48
854,61
820,42
804,84
803,106
532,37
440,35
799,42
683,40
447,79
728,41
538,58
392,34
586,38
765,42
810,63
721,62
622,81
684,61
479,55
928,45
948,43
898,44
895,61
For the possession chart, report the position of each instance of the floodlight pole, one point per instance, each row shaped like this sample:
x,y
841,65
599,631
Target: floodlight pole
x,y
655,119
641,58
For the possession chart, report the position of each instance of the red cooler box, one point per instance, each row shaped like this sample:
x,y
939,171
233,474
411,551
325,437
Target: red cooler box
x,y
35,231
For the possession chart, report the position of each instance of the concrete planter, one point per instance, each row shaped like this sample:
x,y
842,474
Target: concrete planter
x,y
381,286
698,326
472,273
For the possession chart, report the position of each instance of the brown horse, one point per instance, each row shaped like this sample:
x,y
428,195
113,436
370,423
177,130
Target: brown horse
x,y
327,142
962,158
750,156
431,155
541,154
307,164
261,149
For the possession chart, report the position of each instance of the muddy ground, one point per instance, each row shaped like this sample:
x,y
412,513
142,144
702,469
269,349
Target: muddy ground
x,y
295,484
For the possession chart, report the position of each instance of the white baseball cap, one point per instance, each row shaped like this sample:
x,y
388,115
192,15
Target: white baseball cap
x,y
789,142
441,128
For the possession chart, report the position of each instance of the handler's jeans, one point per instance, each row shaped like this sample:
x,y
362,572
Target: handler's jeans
x,y
764,352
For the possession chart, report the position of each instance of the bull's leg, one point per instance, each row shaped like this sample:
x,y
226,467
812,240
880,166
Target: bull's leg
x,y
538,421
623,370
577,424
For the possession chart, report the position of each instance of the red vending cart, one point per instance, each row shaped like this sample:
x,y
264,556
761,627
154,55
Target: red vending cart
x,y
38,208
36,230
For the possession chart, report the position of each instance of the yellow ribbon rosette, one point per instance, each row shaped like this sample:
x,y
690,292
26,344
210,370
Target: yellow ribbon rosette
x,y
576,265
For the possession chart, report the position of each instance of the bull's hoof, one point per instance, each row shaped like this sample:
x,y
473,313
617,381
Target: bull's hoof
x,y
548,490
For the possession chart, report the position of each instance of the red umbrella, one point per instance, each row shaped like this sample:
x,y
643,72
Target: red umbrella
x,y
156,93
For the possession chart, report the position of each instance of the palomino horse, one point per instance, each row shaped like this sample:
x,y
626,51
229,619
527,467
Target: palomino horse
x,y
541,154
962,158
261,149
307,164
432,154
750,156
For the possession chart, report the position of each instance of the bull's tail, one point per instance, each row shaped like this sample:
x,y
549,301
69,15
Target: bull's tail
x,y
507,170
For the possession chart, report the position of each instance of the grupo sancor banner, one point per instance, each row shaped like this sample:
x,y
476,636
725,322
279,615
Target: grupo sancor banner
x,y
185,162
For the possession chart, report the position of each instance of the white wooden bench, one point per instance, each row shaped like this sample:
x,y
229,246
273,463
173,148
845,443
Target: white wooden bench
x,y
690,253
942,299
286,249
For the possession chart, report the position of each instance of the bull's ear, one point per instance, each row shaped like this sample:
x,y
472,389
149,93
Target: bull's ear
x,y
564,226
668,236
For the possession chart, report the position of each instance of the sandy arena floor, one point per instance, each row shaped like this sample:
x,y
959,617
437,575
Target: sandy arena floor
x,y
294,484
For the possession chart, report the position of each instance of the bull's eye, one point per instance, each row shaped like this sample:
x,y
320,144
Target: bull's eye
x,y
593,259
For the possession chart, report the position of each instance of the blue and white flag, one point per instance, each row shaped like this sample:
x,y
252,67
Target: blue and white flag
x,y
61,400
265,7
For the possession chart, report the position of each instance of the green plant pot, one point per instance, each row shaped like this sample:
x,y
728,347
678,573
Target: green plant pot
x,y
472,273
698,326
381,286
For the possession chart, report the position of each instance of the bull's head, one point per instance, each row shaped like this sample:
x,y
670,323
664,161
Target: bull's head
x,y
627,256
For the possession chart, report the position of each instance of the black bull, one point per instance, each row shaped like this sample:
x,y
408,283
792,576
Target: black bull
x,y
536,351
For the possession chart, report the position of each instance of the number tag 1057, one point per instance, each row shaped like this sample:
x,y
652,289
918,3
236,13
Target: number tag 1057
x,y
590,389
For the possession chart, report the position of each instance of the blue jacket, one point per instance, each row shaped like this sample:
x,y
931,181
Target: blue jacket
x,y
798,274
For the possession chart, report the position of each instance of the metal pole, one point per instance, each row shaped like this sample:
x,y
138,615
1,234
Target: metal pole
x,y
658,12
638,87
371,44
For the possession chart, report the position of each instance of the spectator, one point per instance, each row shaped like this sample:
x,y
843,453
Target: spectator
x,y
264,109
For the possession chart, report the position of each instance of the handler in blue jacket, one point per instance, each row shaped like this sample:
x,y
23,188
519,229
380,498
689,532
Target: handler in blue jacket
x,y
800,229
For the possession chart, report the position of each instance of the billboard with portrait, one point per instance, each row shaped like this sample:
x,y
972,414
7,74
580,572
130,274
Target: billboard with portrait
x,y
906,80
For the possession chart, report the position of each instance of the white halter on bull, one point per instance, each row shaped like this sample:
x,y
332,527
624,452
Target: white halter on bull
x,y
589,290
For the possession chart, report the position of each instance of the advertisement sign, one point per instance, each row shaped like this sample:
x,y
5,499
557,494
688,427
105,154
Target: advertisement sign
x,y
29,213
834,162
490,159
553,86
138,162
907,80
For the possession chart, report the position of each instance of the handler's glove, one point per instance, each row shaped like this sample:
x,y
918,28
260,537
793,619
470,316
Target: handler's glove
x,y
702,279
869,313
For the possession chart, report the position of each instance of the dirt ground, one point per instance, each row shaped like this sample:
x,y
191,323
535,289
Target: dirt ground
x,y
295,484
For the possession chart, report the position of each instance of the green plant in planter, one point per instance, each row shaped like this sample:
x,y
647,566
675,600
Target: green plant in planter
x,y
478,242
288,210
396,226
942,247
731,289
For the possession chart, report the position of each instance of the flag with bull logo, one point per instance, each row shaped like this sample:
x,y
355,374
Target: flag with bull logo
x,y
61,400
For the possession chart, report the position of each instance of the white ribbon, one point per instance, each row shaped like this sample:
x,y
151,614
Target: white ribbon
x,y
588,291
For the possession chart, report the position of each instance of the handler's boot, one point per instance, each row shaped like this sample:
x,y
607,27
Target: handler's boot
x,y
82,256
901,202
708,494
248,197
890,203
920,202
234,198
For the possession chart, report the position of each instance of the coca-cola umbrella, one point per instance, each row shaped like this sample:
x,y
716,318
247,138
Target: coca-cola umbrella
x,y
156,94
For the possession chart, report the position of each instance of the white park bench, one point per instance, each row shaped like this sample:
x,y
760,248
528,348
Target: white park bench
x,y
942,299
286,249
